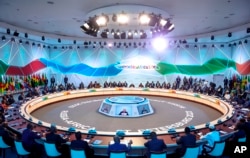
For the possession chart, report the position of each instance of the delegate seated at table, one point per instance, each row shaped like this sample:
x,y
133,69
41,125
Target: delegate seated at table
x,y
105,109
155,144
144,111
118,146
81,144
59,141
123,112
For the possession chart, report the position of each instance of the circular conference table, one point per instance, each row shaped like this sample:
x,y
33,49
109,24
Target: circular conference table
x,y
100,139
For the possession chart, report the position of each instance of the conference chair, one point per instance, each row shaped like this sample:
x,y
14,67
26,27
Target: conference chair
x,y
77,153
117,154
3,146
157,154
21,152
192,151
217,150
244,139
51,150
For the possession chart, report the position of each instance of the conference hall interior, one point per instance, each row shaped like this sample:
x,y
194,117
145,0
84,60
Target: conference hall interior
x,y
135,79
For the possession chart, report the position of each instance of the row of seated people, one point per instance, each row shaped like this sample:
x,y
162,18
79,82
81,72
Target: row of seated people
x,y
29,139
185,83
6,101
235,99
237,96
232,95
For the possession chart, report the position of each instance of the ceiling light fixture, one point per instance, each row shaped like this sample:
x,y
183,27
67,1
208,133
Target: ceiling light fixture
x,y
102,20
152,24
163,22
3,38
144,19
122,18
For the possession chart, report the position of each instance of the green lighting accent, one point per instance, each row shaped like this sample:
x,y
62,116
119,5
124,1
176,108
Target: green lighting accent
x,y
92,90
3,67
145,89
45,98
197,95
212,66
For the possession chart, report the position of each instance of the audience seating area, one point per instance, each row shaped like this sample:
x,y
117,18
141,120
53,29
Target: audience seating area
x,y
51,151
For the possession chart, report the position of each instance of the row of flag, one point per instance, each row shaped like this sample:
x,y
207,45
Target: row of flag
x,y
14,83
241,81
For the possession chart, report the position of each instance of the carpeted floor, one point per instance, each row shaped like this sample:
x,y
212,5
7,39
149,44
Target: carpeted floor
x,y
167,111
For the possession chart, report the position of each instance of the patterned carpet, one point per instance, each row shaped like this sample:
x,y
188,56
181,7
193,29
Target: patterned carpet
x,y
167,111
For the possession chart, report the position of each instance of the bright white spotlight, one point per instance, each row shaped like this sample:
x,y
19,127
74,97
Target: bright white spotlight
x,y
144,19
159,44
101,20
171,27
163,22
86,25
122,19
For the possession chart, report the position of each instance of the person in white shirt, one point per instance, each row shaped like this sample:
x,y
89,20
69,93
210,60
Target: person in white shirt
x,y
227,96
210,137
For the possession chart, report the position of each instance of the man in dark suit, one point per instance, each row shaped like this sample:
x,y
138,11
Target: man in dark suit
x,y
29,143
52,136
117,146
81,144
52,81
65,81
8,137
186,140
155,144
123,112
46,82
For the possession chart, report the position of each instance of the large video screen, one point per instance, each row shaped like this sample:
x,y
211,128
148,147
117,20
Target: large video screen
x,y
124,110
143,109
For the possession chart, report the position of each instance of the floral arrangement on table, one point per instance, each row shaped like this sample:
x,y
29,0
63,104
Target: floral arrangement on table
x,y
197,95
192,127
171,130
119,89
71,129
45,98
172,91
145,89
40,122
92,90
207,124
219,121
120,133
66,93
217,102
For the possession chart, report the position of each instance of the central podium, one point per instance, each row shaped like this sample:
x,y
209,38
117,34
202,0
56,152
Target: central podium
x,y
126,106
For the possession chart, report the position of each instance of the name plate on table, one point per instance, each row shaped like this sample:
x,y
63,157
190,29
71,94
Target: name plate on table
x,y
97,142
